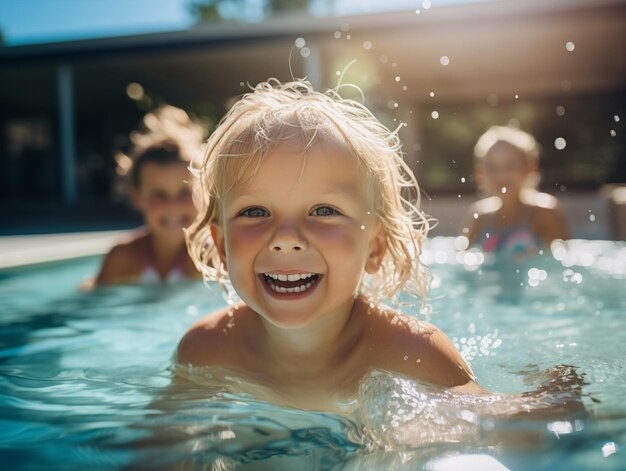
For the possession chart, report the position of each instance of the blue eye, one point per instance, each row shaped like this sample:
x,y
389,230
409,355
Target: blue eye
x,y
254,212
326,211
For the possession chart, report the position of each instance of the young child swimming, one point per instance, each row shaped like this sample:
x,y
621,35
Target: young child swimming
x,y
303,211
516,220
160,189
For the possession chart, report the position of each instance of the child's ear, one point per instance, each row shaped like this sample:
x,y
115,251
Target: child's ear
x,y
377,250
217,233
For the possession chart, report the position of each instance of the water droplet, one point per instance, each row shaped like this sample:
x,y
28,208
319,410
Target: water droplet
x,y
475,215
612,133
560,143
404,88
367,45
135,91
434,114
516,96
432,94
241,84
417,12
300,43
406,357
397,79
503,190
462,179
616,118
444,60
592,217
570,46
461,243
337,34
419,360
459,196
348,36
426,4
560,110
305,52
338,73
362,227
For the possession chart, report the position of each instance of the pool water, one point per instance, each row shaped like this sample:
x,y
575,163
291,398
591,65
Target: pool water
x,y
85,377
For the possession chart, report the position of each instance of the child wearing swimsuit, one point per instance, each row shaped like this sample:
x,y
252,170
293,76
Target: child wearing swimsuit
x,y
516,221
159,180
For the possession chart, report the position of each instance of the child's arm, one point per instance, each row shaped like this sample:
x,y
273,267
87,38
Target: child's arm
x,y
421,351
440,363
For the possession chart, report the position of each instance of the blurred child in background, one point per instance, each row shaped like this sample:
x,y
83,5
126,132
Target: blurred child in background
x,y
159,182
515,220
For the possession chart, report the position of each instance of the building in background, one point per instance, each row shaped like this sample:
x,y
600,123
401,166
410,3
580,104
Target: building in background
x,y
557,69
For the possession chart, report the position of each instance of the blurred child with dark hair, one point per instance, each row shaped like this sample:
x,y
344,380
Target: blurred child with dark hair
x,y
159,182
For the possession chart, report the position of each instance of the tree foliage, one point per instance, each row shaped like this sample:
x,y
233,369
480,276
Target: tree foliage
x,y
213,10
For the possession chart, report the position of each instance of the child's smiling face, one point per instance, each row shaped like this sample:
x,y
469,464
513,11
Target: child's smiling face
x,y
504,166
164,197
297,239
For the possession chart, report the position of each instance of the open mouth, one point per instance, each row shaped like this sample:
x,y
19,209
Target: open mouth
x,y
296,283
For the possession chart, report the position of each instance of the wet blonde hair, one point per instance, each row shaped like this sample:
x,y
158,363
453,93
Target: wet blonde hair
x,y
275,113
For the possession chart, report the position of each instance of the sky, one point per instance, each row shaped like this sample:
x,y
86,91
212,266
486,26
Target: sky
x,y
35,21
40,21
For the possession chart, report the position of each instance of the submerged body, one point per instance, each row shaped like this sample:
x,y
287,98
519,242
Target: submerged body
x,y
325,378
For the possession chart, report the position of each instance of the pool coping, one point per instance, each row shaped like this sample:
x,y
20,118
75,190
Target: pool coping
x,y
25,250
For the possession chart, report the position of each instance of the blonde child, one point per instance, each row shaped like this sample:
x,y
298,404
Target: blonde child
x,y
515,220
160,189
303,214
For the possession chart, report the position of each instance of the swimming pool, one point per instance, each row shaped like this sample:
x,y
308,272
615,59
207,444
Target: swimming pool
x,y
85,376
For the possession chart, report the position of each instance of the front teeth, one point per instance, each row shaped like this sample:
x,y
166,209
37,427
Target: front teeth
x,y
296,277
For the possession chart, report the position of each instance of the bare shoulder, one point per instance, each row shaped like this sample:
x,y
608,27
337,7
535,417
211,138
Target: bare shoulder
x,y
122,264
218,338
543,201
547,217
419,350
486,206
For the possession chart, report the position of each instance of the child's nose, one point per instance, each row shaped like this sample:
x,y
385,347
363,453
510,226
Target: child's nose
x,y
287,239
